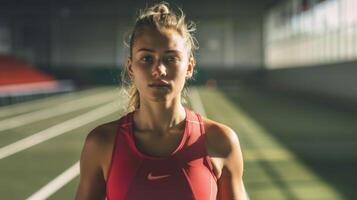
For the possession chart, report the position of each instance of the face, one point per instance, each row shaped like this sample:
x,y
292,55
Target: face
x,y
160,64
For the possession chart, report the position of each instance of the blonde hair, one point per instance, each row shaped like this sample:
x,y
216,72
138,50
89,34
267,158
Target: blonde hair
x,y
158,17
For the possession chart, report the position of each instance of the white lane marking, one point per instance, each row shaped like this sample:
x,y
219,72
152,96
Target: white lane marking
x,y
196,101
56,184
68,107
59,129
46,102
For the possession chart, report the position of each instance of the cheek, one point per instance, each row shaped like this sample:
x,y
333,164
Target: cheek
x,y
139,76
183,70
180,74
139,72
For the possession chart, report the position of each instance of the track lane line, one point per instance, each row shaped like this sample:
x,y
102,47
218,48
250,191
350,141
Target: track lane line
x,y
59,129
67,107
45,102
56,184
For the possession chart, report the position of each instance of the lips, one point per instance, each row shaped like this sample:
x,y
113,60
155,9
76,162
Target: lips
x,y
160,83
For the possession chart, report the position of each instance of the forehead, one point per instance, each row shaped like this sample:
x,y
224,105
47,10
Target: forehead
x,y
159,40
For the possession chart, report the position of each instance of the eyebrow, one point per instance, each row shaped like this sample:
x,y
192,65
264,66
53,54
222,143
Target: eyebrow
x,y
150,50
145,49
173,51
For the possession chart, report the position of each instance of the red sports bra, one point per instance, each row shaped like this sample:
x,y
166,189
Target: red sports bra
x,y
186,174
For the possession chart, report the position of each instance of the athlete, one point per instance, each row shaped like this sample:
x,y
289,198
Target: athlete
x,y
160,149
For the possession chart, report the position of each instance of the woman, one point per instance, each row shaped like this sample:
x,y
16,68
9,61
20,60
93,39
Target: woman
x,y
161,150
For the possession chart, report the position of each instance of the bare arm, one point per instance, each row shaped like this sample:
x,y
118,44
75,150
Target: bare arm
x,y
230,184
228,189
92,183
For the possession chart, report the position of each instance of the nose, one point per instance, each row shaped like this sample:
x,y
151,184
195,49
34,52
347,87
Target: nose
x,y
159,71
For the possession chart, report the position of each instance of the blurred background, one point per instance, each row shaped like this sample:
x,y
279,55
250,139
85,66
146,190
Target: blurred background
x,y
281,73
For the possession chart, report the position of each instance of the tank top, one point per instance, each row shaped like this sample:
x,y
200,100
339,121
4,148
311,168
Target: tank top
x,y
185,174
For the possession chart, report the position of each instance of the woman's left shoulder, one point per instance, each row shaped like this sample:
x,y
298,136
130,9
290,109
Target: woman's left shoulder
x,y
221,140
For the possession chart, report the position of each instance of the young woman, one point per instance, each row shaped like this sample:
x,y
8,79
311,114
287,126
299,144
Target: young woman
x,y
161,150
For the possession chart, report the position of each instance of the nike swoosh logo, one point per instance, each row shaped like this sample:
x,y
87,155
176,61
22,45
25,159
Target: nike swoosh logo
x,y
151,177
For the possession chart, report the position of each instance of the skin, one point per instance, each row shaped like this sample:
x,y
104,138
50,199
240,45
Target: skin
x,y
159,67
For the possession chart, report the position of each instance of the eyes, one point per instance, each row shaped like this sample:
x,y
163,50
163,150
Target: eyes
x,y
172,59
167,59
147,59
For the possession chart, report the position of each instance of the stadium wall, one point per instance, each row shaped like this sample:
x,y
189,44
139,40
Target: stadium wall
x,y
91,34
333,83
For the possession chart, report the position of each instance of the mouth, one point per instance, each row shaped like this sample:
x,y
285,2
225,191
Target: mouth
x,y
159,84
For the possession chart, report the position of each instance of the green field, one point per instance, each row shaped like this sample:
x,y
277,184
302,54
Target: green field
x,y
293,148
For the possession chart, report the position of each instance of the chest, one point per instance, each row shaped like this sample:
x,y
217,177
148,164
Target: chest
x,y
162,146
183,176
157,145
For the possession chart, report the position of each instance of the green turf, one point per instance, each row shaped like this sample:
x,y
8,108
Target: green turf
x,y
67,192
293,148
277,173
321,136
29,170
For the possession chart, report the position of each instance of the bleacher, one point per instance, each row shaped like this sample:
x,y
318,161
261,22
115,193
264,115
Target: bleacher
x,y
19,81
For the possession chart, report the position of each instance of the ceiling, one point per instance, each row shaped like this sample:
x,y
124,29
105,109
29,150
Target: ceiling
x,y
200,8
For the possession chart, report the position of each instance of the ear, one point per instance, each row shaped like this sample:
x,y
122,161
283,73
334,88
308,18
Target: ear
x,y
190,67
129,67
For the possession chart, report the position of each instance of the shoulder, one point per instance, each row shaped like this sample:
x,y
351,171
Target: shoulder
x,y
100,141
102,133
221,140
93,162
101,138
225,153
223,148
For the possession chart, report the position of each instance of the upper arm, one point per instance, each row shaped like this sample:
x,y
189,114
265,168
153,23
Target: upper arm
x,y
92,182
226,147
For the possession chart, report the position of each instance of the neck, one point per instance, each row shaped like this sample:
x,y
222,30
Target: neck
x,y
159,116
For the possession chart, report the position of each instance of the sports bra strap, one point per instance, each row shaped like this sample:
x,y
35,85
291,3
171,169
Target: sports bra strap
x,y
206,158
201,124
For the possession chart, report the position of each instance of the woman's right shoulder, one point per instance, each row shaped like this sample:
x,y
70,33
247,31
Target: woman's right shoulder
x,y
102,137
95,159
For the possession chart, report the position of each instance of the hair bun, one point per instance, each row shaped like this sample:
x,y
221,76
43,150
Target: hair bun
x,y
162,9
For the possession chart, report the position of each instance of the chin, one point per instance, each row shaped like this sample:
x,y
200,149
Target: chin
x,y
160,97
